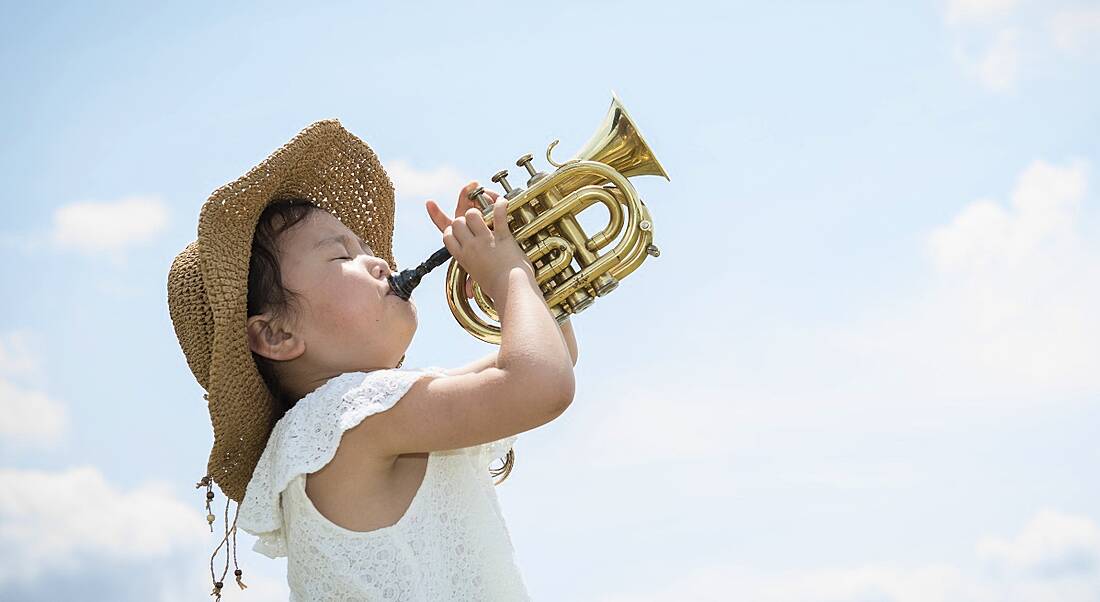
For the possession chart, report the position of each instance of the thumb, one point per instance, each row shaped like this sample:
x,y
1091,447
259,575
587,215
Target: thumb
x,y
437,216
500,219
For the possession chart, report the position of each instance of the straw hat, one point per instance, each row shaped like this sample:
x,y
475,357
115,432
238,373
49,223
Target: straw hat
x,y
208,280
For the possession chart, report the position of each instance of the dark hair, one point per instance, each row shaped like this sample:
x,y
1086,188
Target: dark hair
x,y
266,292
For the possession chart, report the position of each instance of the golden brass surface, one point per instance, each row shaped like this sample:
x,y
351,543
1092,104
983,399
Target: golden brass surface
x,y
543,219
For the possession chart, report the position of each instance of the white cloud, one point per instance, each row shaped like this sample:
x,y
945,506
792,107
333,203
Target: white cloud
x,y
976,11
440,183
56,522
1048,540
1045,204
72,535
999,67
1018,39
27,417
1077,29
1008,313
1016,289
994,61
1052,545
108,226
30,418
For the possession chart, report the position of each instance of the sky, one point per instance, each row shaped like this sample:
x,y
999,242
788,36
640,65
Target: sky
x,y
864,367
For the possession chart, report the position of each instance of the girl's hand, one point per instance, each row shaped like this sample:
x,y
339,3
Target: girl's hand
x,y
464,203
489,256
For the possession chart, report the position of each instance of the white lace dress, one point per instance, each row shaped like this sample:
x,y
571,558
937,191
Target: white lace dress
x,y
451,544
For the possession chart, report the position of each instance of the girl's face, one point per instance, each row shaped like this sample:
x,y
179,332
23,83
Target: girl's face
x,y
348,319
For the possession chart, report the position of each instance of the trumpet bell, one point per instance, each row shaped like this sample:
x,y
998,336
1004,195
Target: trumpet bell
x,y
619,144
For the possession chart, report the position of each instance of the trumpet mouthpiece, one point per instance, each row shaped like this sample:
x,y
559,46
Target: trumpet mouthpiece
x,y
403,283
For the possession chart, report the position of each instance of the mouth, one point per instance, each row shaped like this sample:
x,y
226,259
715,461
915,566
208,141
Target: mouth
x,y
390,289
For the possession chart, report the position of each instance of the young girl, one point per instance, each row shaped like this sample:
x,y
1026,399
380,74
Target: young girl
x,y
372,480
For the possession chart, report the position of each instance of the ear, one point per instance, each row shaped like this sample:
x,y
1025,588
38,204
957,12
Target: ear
x,y
269,339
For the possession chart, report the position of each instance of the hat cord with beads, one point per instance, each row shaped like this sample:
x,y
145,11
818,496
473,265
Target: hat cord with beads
x,y
229,538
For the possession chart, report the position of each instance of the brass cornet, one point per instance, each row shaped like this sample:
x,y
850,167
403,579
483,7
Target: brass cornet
x,y
543,219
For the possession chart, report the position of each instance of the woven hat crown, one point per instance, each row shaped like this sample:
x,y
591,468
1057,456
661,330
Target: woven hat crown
x,y
208,281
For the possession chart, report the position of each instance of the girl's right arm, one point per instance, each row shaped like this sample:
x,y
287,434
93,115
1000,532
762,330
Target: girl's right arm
x,y
531,384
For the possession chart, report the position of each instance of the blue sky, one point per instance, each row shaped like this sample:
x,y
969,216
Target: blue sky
x,y
864,366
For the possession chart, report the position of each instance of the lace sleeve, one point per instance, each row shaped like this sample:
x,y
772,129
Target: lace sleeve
x,y
305,440
271,544
375,395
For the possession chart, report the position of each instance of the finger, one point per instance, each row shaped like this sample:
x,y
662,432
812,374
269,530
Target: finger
x,y
469,288
492,197
441,220
452,244
461,231
500,216
476,223
464,200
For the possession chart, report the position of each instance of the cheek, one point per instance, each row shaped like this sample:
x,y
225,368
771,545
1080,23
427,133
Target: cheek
x,y
343,310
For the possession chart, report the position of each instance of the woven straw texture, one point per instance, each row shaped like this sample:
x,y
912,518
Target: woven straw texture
x,y
208,280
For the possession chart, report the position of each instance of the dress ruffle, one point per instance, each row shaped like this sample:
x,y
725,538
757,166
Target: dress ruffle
x,y
305,440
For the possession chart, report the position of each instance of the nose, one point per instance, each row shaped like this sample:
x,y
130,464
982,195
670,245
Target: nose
x,y
380,268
